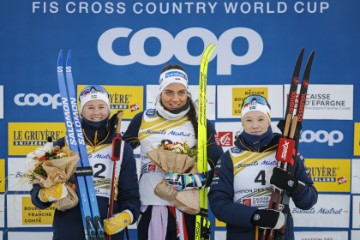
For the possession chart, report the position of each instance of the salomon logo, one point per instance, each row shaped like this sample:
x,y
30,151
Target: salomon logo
x,y
32,99
177,46
322,136
77,123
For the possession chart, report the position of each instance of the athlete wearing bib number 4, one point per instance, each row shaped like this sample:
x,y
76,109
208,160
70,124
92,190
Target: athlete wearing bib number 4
x,y
98,131
245,175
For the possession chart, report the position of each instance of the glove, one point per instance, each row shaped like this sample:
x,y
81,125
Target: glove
x,y
268,218
118,222
186,180
284,181
53,193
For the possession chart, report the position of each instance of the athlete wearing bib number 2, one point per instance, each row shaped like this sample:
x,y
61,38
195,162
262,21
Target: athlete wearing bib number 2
x,y
98,132
245,175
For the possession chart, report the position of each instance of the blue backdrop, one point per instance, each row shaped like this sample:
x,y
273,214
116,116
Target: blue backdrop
x,y
128,42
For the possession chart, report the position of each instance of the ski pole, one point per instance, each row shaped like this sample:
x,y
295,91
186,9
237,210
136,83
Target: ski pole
x,y
115,156
285,156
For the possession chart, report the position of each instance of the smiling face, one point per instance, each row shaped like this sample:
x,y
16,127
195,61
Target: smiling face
x,y
174,96
95,111
255,123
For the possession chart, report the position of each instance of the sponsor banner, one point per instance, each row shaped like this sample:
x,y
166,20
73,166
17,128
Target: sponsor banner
x,y
355,234
327,102
22,213
321,235
29,235
36,235
228,131
126,98
1,102
25,137
356,139
220,235
2,210
226,139
232,97
107,52
17,175
330,211
219,223
330,175
356,211
152,92
2,175
38,100
325,139
355,176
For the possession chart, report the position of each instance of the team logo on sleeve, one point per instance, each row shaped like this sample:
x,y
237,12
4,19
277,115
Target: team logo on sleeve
x,y
235,150
150,112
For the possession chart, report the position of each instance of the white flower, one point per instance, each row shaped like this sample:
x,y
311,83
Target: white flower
x,y
33,158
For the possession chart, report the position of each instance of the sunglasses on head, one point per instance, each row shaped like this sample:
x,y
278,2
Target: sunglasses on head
x,y
255,99
93,89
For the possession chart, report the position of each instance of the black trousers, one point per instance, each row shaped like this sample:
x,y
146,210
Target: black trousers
x,y
143,226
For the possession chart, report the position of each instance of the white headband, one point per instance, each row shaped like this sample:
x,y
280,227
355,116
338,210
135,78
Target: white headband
x,y
252,104
173,76
93,95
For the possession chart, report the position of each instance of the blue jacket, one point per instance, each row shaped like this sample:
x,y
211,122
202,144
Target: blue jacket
x,y
237,216
68,225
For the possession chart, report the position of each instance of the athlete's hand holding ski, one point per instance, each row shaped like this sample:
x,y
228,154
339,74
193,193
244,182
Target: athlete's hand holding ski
x,y
87,198
284,181
268,219
282,176
120,221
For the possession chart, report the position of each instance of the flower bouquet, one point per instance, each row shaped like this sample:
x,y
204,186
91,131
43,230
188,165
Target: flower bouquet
x,y
49,165
178,158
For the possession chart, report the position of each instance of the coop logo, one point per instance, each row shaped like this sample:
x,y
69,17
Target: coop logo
x,y
322,136
177,46
32,99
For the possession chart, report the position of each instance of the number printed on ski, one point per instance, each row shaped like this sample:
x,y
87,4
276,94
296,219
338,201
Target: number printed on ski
x,y
202,225
87,198
288,143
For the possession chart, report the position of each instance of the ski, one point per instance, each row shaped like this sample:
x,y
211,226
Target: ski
x,y
202,225
87,198
288,143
